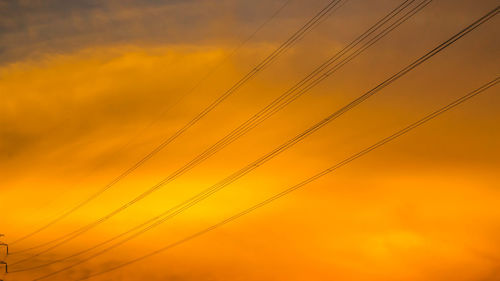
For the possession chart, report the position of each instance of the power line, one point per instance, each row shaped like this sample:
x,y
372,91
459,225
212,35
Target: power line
x,y
235,134
312,23
265,113
301,136
301,184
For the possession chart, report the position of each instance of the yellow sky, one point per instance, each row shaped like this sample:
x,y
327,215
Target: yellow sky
x,y
81,100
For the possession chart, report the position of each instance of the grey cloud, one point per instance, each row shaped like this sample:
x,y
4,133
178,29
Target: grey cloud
x,y
32,27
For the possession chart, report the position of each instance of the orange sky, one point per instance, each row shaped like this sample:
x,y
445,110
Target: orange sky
x,y
81,81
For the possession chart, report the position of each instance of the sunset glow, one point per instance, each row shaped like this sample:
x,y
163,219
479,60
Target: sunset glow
x,y
89,88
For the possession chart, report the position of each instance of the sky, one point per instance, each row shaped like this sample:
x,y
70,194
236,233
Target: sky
x,y
87,88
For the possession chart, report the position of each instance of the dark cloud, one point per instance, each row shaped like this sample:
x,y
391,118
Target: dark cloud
x,y
35,27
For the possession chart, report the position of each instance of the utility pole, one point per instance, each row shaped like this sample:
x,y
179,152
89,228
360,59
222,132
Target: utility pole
x,y
6,254
4,245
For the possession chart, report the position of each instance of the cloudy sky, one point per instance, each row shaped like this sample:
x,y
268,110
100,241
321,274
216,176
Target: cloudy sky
x,y
87,88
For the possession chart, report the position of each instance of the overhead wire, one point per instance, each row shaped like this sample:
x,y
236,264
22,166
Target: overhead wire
x,y
393,78
238,132
285,98
414,10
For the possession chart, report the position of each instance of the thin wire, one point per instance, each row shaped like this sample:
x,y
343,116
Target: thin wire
x,y
269,156
358,40
303,183
307,27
